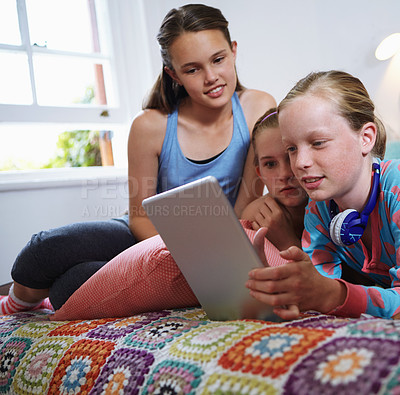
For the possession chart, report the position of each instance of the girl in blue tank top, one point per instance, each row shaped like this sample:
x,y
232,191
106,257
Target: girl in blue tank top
x,y
227,166
195,122
197,118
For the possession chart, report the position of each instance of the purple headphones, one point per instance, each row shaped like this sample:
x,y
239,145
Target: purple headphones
x,y
347,227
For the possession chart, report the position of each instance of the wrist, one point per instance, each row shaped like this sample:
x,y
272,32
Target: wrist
x,y
356,301
286,241
335,294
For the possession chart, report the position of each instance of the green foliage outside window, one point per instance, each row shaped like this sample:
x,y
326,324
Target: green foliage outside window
x,y
77,148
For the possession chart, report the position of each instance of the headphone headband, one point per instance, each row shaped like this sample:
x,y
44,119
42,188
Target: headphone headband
x,y
347,227
369,207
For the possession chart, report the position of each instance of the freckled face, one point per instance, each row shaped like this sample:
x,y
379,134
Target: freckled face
x,y
274,169
325,153
204,63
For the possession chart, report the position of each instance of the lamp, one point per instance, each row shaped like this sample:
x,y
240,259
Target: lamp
x,y
388,47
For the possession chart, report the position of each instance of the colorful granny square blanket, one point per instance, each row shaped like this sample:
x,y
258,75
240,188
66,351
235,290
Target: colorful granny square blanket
x,y
182,352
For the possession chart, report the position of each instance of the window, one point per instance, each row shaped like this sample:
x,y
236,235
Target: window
x,y
57,74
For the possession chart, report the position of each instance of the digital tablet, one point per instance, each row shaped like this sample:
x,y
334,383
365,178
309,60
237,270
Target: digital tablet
x,y
199,227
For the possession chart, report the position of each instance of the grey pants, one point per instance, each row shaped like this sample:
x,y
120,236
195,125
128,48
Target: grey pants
x,y
62,259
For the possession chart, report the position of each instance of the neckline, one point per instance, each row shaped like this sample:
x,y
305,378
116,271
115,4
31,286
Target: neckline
x,y
205,161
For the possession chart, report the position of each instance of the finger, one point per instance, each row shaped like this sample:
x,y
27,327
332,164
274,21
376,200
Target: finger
x,y
258,243
260,216
255,225
293,308
291,312
265,209
261,274
263,297
275,207
268,284
259,285
268,199
271,203
294,254
288,311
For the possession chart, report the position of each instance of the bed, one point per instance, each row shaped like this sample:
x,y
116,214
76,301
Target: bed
x,y
180,351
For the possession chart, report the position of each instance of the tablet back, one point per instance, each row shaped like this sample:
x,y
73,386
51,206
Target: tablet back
x,y
200,229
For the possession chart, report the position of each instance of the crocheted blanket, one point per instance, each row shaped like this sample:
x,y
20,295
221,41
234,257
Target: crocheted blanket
x,y
182,352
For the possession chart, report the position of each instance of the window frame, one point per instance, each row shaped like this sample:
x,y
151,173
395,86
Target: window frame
x,y
131,42
93,114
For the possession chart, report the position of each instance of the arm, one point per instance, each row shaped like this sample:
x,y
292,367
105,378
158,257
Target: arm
x,y
144,147
384,269
254,104
258,244
380,301
295,283
266,212
298,282
317,285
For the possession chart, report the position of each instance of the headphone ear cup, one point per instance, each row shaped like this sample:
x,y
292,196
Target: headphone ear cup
x,y
336,225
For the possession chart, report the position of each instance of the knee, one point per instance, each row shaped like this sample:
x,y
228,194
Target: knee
x,y
30,265
34,246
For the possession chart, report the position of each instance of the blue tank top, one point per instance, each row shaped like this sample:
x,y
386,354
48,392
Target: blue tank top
x,y
174,169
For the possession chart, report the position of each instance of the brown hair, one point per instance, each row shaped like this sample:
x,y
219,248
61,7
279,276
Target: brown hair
x,y
166,93
349,95
268,120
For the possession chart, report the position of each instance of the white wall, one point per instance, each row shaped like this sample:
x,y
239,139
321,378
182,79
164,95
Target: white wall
x,y
279,42
60,197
